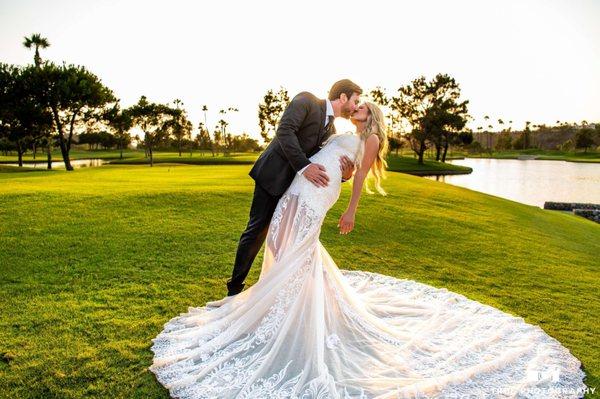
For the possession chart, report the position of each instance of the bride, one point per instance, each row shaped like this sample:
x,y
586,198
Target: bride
x,y
307,329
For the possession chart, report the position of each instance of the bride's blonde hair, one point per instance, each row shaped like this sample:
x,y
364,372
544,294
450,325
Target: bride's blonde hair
x,y
375,124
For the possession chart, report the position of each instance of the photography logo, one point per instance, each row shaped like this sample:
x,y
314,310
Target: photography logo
x,y
551,374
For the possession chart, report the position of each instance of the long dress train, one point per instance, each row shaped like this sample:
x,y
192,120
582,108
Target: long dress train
x,y
307,329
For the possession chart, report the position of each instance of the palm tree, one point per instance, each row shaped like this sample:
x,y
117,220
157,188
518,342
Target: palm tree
x,y
488,137
36,41
212,143
223,124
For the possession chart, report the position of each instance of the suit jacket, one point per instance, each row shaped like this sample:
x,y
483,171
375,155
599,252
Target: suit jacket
x,y
300,133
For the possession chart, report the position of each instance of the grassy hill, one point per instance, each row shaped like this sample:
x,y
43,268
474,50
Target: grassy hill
x,y
94,261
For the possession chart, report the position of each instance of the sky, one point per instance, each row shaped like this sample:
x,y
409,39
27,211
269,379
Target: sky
x,y
514,60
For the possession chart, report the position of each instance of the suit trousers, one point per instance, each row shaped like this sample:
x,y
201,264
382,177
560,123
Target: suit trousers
x,y
253,237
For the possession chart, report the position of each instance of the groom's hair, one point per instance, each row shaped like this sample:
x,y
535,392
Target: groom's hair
x,y
343,86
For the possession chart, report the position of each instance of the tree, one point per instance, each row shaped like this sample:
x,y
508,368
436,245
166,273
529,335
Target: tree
x,y
120,122
224,139
212,142
217,138
526,136
447,115
74,96
244,143
411,104
488,134
203,140
153,119
270,111
379,96
395,143
433,111
23,119
584,138
36,41
181,127
504,141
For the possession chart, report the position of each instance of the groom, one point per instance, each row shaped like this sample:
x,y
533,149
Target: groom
x,y
305,124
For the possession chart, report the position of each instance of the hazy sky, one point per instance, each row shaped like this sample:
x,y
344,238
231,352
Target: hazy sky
x,y
515,60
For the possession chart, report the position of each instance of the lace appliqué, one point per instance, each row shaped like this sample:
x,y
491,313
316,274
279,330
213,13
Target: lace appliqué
x,y
332,341
231,375
276,221
305,220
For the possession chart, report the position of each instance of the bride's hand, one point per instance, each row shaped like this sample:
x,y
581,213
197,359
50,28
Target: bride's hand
x,y
347,167
346,223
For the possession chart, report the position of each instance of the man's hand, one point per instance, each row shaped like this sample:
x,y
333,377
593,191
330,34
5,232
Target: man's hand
x,y
347,167
315,173
346,223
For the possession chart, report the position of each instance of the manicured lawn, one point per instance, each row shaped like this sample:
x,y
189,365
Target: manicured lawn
x,y
411,165
94,261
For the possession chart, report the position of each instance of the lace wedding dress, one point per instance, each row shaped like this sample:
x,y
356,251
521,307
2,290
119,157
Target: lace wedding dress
x,y
307,329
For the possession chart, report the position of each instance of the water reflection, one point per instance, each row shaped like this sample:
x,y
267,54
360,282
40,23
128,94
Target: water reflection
x,y
530,181
76,163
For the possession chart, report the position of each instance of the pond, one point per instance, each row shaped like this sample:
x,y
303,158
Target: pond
x,y
530,182
76,163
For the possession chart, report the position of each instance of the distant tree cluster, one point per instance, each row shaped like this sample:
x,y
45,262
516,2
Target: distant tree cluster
x,y
562,136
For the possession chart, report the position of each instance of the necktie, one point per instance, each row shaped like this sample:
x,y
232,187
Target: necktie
x,y
329,124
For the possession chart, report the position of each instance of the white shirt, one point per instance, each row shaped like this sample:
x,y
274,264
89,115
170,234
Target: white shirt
x,y
328,111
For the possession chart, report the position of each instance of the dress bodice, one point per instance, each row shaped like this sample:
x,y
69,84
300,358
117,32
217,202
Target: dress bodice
x,y
322,198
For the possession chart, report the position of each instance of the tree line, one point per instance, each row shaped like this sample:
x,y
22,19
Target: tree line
x,y
48,105
45,105
562,136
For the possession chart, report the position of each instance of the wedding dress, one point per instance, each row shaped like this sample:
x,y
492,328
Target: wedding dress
x,y
307,329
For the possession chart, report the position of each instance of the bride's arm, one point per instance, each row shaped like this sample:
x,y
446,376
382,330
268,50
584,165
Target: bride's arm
x,y
346,223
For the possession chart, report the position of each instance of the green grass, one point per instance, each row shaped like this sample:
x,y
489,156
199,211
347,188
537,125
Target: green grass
x,y
411,165
94,261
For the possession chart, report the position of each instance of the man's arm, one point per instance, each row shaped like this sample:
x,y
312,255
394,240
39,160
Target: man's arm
x,y
287,132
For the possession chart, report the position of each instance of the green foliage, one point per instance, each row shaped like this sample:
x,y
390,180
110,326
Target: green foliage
x,y
23,117
504,141
156,121
433,110
585,138
73,95
270,111
36,41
